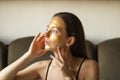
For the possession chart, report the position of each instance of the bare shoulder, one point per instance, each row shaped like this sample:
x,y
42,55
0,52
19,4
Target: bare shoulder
x,y
91,69
42,63
90,63
41,68
33,71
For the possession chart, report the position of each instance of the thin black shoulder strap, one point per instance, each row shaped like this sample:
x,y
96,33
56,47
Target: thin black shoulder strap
x,y
48,70
79,69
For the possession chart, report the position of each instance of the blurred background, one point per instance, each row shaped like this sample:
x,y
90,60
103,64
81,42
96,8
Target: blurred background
x,y
22,18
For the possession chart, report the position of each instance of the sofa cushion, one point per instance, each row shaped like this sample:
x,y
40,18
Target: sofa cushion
x,y
19,46
91,50
3,55
109,57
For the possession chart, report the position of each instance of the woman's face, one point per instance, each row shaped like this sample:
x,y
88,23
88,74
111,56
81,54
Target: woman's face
x,y
56,34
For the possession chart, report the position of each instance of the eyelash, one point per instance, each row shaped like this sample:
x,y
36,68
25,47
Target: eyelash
x,y
53,31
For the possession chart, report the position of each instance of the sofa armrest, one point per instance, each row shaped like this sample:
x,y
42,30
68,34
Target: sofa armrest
x,y
3,55
91,50
19,46
109,57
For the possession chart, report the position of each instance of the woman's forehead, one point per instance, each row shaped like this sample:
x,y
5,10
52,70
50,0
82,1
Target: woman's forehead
x,y
56,22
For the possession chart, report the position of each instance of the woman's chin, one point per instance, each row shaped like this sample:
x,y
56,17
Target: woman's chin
x,y
49,48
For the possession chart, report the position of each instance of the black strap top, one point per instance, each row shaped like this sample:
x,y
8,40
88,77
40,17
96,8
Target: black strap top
x,y
77,72
48,69
79,69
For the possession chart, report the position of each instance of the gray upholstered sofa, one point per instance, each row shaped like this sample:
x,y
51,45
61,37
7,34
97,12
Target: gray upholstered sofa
x,y
106,53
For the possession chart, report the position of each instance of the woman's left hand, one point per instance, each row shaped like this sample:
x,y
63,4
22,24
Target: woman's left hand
x,y
60,63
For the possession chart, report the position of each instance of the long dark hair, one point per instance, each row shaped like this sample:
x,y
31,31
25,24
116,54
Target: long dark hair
x,y
74,28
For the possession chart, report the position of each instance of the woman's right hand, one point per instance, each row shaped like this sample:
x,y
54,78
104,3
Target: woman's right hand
x,y
37,46
14,70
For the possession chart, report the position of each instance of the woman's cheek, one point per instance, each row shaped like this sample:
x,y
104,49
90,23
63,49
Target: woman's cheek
x,y
56,39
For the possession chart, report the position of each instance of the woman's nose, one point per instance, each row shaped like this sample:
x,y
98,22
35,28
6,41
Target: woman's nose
x,y
48,33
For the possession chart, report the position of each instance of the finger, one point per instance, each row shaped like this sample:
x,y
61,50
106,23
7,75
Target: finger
x,y
53,57
37,35
59,49
56,55
41,40
35,38
56,61
40,37
64,50
48,32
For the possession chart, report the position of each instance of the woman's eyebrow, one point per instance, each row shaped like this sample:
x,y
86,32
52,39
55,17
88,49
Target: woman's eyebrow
x,y
50,27
47,26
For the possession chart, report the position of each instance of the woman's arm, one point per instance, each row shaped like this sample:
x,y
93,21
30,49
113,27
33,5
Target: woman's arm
x,y
35,50
29,73
10,72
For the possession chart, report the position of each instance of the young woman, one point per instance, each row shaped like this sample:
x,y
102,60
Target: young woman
x,y
65,38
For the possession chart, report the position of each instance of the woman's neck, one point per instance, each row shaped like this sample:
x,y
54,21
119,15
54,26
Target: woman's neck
x,y
67,56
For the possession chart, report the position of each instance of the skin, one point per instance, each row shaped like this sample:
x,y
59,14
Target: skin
x,y
56,35
63,67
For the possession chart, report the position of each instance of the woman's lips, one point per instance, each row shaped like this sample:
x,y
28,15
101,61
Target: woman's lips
x,y
47,42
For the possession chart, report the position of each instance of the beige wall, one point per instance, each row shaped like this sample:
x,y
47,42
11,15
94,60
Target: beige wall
x,y
101,19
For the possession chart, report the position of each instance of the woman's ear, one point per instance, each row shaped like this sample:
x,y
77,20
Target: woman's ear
x,y
70,41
